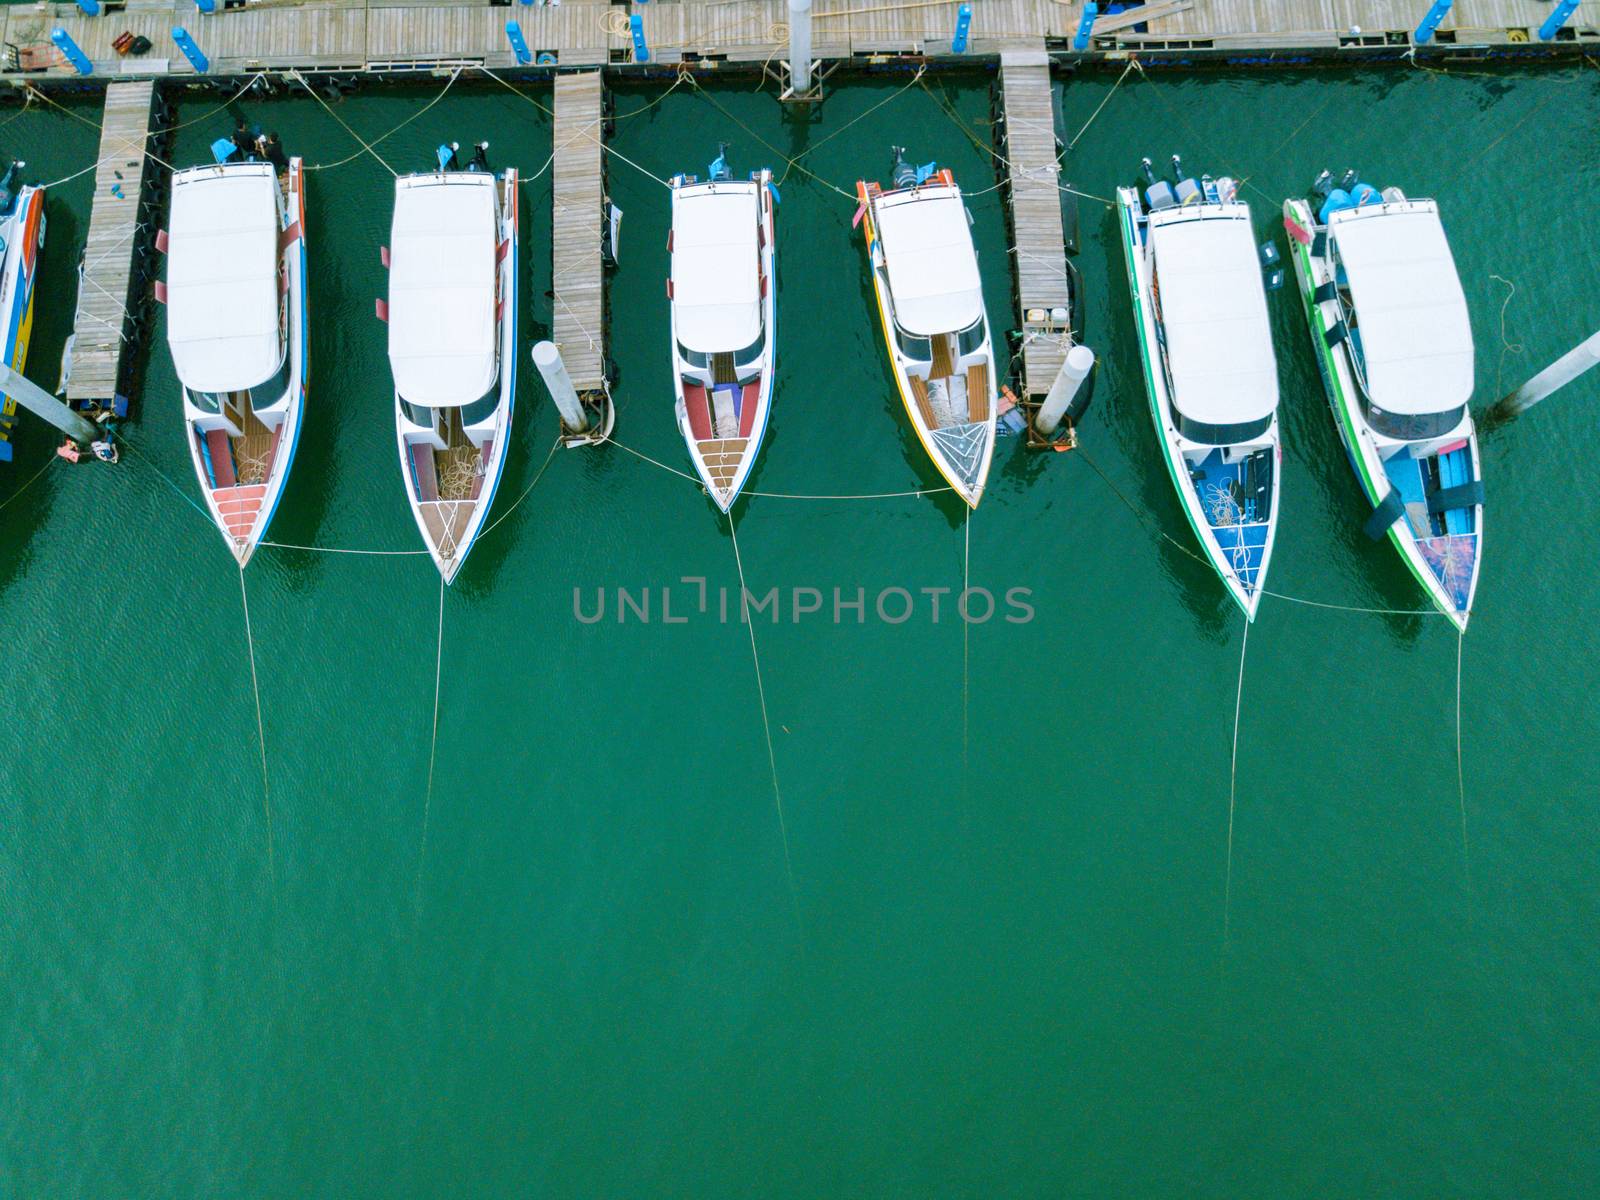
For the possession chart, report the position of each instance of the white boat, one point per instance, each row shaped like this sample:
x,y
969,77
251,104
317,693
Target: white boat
x,y
724,332
1201,311
21,238
236,327
930,301
452,314
1389,323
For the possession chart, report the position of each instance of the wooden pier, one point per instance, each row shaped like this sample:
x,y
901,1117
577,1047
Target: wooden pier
x,y
107,309
1033,177
578,189
399,35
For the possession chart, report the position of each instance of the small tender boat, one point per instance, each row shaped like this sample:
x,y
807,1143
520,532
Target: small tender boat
x,y
1389,323
930,299
236,326
724,335
452,314
21,239
1201,311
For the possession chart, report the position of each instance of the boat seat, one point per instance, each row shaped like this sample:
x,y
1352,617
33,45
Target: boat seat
x,y
978,392
1390,509
919,389
220,455
1462,495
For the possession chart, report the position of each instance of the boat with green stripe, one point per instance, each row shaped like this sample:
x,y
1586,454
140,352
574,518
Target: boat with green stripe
x,y
1390,329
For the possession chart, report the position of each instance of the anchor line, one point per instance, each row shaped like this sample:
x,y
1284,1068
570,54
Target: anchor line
x,y
1233,780
966,634
433,750
31,480
449,83
1461,783
766,725
261,737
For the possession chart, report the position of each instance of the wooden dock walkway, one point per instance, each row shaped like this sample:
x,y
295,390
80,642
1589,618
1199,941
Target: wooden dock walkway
x,y
390,35
1033,177
578,192
102,326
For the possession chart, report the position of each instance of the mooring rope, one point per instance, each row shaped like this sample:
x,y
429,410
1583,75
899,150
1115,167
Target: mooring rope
x,y
366,146
966,634
31,480
125,444
1233,782
342,550
449,83
1461,782
766,726
261,738
1132,63
1507,346
538,475
786,159
433,750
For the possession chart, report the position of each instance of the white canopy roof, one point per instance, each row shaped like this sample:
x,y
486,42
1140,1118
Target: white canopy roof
x,y
442,288
222,277
1411,315
1214,309
933,269
716,275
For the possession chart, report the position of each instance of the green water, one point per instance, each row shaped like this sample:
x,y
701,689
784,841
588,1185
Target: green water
x,y
579,969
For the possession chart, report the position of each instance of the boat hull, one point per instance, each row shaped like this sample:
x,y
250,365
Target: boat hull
x,y
23,232
1241,557
724,464
1445,567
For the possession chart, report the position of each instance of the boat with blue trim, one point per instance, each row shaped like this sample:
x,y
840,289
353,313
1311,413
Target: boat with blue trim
x,y
1211,376
22,224
1393,339
930,302
236,327
724,330
452,315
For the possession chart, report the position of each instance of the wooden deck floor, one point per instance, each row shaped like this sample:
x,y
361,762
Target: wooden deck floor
x,y
98,332
1035,213
578,189
389,34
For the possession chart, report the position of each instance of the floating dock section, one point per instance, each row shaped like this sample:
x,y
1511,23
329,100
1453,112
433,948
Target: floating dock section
x,y
580,228
107,324
1033,177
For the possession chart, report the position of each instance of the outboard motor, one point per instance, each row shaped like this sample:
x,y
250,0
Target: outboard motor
x,y
1147,170
718,170
8,188
904,175
1177,168
1348,180
1322,185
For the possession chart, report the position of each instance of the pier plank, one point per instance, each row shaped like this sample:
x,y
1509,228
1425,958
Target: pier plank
x,y
578,192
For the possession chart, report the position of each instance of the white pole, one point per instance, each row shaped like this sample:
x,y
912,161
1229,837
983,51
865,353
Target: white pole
x,y
1074,370
800,46
42,404
548,359
1558,374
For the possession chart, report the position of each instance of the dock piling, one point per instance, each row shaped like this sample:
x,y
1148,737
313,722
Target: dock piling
x,y
548,359
79,60
1075,369
45,406
799,46
1558,17
1437,13
1557,375
192,52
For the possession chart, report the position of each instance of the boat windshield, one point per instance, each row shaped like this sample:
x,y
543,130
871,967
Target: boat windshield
x,y
476,413
1414,427
263,395
912,346
1222,435
971,338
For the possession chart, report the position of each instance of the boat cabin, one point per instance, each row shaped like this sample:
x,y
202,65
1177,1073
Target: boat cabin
x,y
937,295
1211,318
717,286
444,306
225,291
1404,316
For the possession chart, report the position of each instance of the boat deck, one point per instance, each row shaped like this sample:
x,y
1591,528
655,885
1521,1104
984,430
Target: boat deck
x,y
101,327
1033,178
1237,500
578,191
